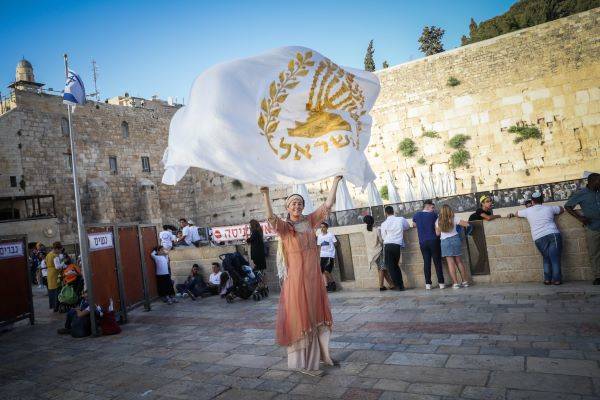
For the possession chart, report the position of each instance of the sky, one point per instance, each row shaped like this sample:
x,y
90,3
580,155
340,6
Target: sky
x,y
154,47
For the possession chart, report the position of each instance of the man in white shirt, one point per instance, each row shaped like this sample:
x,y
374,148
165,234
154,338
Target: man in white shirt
x,y
546,236
167,238
214,280
326,240
190,234
392,232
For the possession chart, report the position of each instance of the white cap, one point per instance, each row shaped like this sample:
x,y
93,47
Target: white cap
x,y
536,195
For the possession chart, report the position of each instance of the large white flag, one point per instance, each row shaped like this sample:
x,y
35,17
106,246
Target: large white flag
x,y
288,116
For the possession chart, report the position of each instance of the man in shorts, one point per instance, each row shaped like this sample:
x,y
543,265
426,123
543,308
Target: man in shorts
x,y
326,240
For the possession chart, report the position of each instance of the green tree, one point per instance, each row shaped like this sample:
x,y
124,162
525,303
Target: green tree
x,y
526,13
430,41
385,64
369,61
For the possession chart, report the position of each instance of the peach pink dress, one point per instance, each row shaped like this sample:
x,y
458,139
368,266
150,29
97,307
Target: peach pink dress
x,y
304,317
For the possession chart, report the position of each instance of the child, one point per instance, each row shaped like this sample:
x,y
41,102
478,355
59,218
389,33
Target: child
x,y
445,227
163,275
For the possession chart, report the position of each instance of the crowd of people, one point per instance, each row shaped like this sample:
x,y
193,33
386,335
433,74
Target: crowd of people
x,y
441,236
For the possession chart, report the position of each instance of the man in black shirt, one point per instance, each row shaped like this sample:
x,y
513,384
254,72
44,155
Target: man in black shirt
x,y
484,212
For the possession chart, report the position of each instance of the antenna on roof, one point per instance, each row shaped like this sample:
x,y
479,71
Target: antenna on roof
x,y
96,93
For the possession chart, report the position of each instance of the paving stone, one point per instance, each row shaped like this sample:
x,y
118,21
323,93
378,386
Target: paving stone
x,y
563,366
361,394
483,393
535,395
443,349
391,384
245,394
574,354
407,396
368,356
279,386
319,391
427,360
489,362
426,374
543,382
435,388
250,360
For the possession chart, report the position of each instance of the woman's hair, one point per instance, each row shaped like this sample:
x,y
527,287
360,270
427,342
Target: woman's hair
x,y
446,218
369,220
255,226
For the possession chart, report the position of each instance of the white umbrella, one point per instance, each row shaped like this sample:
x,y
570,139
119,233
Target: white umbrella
x,y
393,195
408,192
373,195
452,182
303,191
423,188
439,185
343,200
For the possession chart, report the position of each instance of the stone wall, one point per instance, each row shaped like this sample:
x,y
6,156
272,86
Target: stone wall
x,y
36,149
547,75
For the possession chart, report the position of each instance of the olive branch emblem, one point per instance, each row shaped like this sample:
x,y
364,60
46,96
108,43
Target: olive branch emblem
x,y
270,107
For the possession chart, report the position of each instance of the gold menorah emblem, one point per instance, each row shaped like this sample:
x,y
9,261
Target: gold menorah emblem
x,y
333,91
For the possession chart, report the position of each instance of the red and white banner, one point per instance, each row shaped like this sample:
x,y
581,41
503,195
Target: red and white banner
x,y
239,232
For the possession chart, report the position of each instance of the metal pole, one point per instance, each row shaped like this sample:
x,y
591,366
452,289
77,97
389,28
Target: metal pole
x,y
83,242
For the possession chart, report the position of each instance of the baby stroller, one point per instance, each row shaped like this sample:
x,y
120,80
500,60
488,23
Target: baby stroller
x,y
246,282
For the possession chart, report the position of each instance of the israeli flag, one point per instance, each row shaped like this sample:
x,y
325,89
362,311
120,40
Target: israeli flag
x,y
74,90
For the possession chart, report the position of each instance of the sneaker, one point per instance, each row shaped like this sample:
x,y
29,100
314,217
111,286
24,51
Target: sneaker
x,y
183,295
442,286
465,284
428,286
456,286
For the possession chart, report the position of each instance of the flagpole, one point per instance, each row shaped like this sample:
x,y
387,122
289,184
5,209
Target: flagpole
x,y
83,242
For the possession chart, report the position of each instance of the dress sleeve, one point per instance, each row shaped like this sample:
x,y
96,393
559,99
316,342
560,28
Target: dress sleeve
x,y
319,215
279,225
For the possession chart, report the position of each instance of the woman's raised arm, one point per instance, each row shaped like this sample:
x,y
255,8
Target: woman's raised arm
x,y
268,208
331,197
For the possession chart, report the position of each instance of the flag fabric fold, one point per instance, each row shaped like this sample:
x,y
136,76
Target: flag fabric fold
x,y
288,116
74,93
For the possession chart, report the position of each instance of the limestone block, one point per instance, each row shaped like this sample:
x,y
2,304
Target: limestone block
x,y
582,96
590,120
508,100
527,108
463,101
594,93
539,94
581,109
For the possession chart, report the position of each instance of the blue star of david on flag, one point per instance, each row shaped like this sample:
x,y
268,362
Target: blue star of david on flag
x,y
74,93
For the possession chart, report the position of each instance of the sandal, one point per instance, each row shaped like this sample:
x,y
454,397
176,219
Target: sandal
x,y
547,283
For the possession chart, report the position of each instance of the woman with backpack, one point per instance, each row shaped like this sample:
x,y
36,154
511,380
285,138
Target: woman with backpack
x,y
445,227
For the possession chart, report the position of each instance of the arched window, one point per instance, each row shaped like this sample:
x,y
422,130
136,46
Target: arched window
x,y
64,126
124,129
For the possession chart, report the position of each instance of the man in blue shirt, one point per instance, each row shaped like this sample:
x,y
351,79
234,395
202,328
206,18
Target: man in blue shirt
x,y
588,199
429,243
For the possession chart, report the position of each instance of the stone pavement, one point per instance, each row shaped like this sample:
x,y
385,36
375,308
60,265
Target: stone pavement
x,y
485,342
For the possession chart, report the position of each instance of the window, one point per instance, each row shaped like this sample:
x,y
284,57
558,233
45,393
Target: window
x,y
124,130
68,162
145,164
13,181
112,162
64,126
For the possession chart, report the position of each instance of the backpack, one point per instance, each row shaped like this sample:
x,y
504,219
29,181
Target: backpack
x,y
67,295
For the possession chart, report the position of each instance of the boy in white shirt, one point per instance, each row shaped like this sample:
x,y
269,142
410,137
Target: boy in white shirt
x,y
167,238
546,236
214,280
326,240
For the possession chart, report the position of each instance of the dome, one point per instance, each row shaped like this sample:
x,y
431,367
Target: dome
x,y
24,64
24,71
